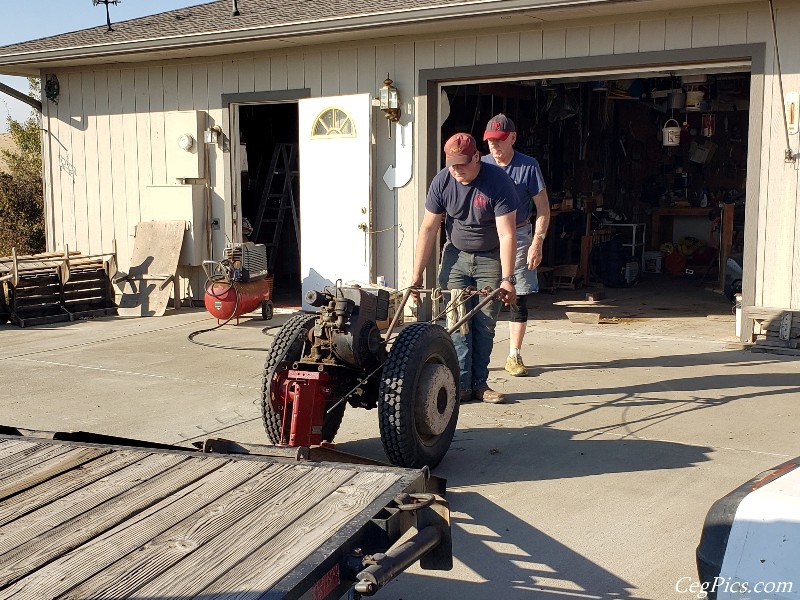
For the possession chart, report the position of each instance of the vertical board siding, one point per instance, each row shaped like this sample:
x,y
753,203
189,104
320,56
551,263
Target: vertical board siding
x,y
117,140
294,72
145,152
444,53
554,43
486,50
348,72
312,67
732,29
626,38
578,41
247,78
382,241
261,73
530,45
508,47
601,40
678,33
77,122
217,158
158,148
132,151
62,159
366,70
278,76
464,52
330,74
406,207
105,198
705,31
94,223
652,35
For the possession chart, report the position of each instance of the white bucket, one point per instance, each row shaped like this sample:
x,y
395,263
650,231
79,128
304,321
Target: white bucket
x,y
693,99
671,135
676,99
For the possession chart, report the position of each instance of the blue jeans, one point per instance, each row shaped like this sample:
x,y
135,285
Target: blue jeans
x,y
477,269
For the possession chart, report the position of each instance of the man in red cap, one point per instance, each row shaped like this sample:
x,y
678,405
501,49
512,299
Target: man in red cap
x,y
479,203
529,183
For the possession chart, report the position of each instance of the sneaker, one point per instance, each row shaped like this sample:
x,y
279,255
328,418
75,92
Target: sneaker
x,y
488,395
515,366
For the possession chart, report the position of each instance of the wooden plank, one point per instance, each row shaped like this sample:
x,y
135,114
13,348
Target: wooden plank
x,y
14,464
678,33
578,41
232,515
48,469
626,38
106,534
263,568
554,43
652,35
10,447
65,483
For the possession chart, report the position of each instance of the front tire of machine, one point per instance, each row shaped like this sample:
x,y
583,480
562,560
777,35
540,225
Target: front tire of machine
x,y
418,398
286,349
267,310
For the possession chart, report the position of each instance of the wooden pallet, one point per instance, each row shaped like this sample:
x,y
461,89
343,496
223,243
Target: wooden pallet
x,y
776,331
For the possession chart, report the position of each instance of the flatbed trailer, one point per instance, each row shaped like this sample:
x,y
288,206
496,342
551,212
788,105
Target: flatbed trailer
x,y
85,516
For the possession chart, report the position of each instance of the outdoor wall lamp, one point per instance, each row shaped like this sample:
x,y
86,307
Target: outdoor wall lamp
x,y
389,103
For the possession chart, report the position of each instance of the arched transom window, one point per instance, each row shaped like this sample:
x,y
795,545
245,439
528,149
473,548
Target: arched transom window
x,y
333,123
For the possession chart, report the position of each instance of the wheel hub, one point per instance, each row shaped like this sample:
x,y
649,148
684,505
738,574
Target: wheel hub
x,y
435,399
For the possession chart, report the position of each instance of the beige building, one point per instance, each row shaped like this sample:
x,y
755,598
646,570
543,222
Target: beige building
x,y
179,115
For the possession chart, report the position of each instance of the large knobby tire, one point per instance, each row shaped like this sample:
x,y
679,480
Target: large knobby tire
x,y
418,398
286,349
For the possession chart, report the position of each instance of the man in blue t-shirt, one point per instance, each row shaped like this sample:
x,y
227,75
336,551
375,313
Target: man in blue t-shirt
x,y
479,204
529,183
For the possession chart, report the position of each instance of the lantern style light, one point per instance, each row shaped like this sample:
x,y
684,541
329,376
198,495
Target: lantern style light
x,y
389,103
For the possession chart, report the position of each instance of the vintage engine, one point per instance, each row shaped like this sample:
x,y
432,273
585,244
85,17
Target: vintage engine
x,y
346,330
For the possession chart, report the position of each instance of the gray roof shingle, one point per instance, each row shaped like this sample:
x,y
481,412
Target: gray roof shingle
x,y
215,18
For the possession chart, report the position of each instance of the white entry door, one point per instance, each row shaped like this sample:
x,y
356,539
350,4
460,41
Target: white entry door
x,y
335,190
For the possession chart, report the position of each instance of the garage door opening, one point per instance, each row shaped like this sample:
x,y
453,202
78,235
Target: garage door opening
x,y
629,207
270,194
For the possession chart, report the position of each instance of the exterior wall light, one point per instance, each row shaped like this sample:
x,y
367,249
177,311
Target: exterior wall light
x,y
389,103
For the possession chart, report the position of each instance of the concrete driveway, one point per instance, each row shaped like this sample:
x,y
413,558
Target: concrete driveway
x,y
593,482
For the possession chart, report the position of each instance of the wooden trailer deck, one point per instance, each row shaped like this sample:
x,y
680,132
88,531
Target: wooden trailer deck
x,y
81,521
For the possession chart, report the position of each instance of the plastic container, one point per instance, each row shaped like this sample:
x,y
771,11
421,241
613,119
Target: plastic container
x,y
651,261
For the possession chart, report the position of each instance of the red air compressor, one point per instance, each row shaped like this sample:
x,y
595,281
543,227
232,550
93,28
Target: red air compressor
x,y
239,283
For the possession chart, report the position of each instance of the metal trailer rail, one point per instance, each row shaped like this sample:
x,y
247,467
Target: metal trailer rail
x,y
89,516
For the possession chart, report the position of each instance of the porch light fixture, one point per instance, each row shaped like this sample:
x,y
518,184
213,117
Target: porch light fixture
x,y
389,103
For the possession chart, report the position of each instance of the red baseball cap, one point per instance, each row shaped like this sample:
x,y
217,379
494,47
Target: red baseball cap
x,y
499,127
459,149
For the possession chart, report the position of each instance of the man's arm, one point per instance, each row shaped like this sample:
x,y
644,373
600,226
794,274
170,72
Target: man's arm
x,y
425,241
507,231
542,203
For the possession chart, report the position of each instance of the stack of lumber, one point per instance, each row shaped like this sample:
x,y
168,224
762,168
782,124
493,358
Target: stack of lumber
x,y
776,330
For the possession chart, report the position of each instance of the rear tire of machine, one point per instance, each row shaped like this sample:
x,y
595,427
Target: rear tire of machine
x,y
286,349
418,349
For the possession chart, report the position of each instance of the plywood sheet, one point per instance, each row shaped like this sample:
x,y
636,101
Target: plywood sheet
x,y
156,249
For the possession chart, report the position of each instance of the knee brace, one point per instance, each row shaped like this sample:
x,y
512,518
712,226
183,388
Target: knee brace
x,y
520,315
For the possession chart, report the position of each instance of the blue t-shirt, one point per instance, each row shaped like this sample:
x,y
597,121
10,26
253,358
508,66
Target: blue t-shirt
x,y
527,176
471,209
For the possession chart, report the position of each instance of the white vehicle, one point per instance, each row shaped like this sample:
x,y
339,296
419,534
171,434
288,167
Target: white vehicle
x,y
750,546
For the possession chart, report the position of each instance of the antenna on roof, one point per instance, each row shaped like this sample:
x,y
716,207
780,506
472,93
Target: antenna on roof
x,y
235,12
108,16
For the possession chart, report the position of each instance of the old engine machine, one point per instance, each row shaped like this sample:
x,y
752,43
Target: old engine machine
x,y
320,363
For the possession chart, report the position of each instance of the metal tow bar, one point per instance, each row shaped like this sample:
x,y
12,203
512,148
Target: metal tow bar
x,y
488,293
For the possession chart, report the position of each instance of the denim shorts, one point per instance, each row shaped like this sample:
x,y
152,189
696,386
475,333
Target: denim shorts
x,y
527,281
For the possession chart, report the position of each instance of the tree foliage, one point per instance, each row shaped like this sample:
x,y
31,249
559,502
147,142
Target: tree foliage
x,y
21,188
